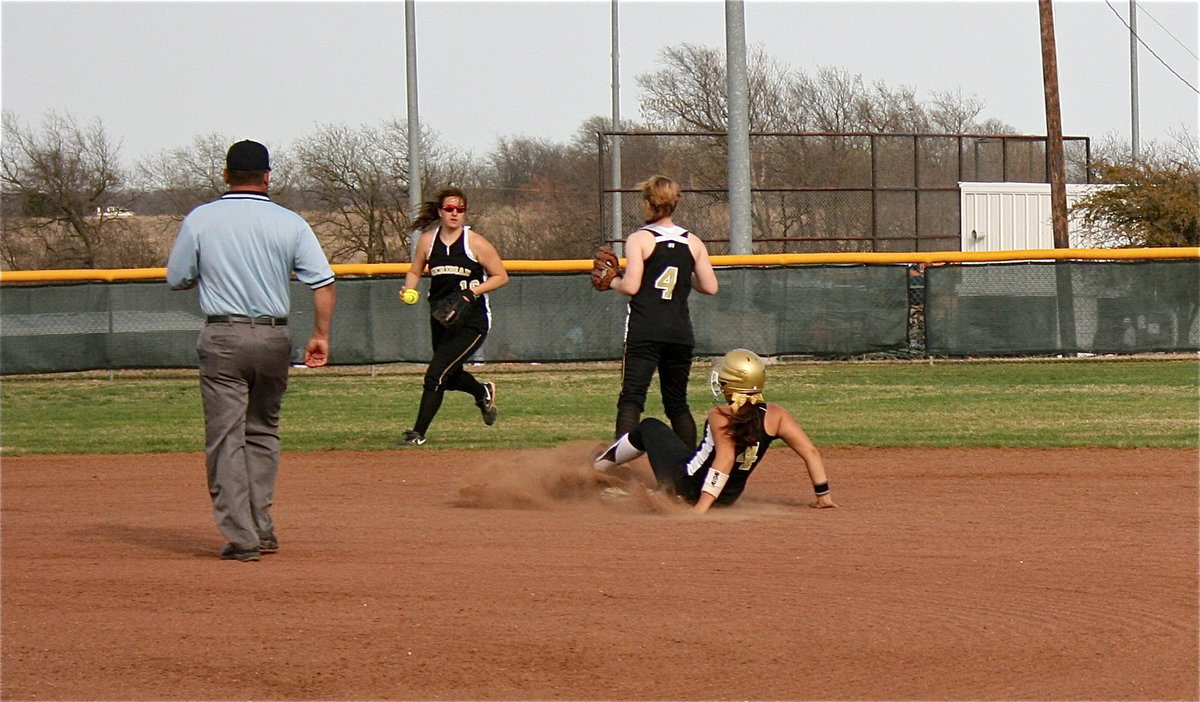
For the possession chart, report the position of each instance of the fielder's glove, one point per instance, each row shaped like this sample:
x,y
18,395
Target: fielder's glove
x,y
452,311
605,267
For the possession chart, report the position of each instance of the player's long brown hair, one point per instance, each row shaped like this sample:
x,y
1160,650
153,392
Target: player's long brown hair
x,y
427,212
745,426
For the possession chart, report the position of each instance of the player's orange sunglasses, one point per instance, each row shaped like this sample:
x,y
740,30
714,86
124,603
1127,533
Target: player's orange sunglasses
x,y
452,209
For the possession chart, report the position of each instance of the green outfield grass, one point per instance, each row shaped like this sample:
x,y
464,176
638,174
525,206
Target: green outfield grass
x,y
1049,403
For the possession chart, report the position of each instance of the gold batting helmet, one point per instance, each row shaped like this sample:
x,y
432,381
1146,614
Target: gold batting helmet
x,y
739,371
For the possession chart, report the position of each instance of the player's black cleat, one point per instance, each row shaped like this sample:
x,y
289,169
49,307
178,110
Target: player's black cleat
x,y
412,438
488,404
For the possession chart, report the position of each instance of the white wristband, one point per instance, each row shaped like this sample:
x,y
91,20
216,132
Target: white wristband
x,y
714,482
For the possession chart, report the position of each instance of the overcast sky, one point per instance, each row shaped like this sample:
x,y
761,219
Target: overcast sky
x,y
158,74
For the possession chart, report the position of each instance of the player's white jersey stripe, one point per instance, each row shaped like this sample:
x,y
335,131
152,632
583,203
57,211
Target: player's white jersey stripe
x,y
704,454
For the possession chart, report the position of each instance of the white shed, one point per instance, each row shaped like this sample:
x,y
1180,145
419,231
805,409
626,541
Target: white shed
x,y
1015,216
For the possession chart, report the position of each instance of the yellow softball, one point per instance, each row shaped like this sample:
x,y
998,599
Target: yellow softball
x,y
411,296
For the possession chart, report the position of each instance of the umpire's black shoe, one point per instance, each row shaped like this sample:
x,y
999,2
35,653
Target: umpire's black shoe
x,y
230,553
268,544
488,404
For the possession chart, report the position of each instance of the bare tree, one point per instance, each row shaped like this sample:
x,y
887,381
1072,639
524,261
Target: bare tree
x,y
186,177
688,93
73,205
175,181
540,201
522,164
831,101
441,163
953,113
355,185
882,109
360,187
586,140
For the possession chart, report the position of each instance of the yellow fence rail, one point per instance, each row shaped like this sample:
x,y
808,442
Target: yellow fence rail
x,y
578,265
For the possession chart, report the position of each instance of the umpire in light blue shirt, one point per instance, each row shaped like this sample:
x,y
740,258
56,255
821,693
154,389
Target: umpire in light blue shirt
x,y
242,251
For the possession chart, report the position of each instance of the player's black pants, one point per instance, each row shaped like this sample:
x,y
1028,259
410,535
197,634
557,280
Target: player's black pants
x,y
451,349
673,363
668,457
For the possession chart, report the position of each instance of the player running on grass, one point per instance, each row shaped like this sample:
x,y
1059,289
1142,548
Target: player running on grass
x,y
463,267
736,437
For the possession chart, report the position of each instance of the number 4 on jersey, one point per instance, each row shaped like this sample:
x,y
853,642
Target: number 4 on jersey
x,y
666,281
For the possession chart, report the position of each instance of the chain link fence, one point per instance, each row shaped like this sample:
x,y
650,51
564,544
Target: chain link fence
x,y
815,193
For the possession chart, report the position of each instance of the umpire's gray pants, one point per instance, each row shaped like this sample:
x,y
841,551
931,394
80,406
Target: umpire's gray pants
x,y
243,375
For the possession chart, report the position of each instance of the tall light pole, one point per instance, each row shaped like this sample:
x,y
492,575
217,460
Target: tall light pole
x,y
414,121
1133,77
617,234
738,129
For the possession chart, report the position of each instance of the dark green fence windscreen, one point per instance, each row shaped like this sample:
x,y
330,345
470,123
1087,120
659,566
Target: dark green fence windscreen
x,y
815,310
1062,307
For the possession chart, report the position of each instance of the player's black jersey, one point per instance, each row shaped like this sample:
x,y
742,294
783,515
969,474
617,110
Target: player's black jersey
x,y
659,309
455,268
743,464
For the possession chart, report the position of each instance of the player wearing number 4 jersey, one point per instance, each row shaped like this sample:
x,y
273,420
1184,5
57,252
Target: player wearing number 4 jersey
x,y
664,263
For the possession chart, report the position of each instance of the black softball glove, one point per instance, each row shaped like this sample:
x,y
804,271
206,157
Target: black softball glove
x,y
452,311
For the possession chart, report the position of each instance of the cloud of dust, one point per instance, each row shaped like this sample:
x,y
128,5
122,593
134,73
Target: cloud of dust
x,y
563,478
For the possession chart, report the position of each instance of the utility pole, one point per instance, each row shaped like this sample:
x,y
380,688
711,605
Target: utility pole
x,y
1065,294
1054,142
738,129
414,121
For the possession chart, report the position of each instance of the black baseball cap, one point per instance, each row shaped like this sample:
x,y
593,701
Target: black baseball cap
x,y
247,156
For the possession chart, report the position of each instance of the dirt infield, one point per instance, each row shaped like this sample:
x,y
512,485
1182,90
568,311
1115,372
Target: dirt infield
x,y
428,574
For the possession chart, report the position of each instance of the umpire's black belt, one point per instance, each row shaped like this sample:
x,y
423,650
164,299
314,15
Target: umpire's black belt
x,y
243,319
